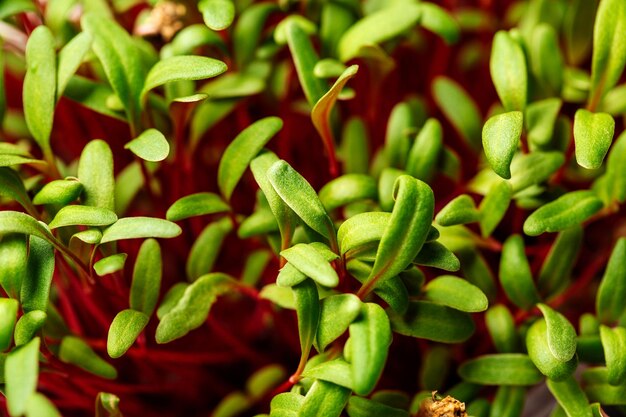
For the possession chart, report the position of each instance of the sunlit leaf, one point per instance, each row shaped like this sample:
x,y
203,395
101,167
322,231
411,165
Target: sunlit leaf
x,y
508,71
13,263
501,369
205,249
593,134
456,293
217,14
566,211
144,290
501,135
612,290
438,20
60,192
8,317
110,264
459,210
124,330
324,399
140,227
614,346
28,325
541,354
337,371
561,334
70,58
570,396
515,275
436,255
348,189
36,285
95,173
40,406
501,328
426,151
150,145
197,204
75,351
494,206
21,372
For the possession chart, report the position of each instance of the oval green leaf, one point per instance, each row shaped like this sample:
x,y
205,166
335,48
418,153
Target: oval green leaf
x,y
125,328
28,325
459,210
95,173
614,345
456,293
60,192
36,285
197,204
140,227
83,216
13,263
501,369
312,264
205,249
306,300
426,151
146,284
324,399
217,14
570,396
150,145
593,134
561,334
110,264
508,71
502,329
612,291
348,189
515,275
540,353
501,135
494,206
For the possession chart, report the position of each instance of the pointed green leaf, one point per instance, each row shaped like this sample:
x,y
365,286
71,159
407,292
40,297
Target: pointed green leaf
x,y
561,334
40,86
456,293
438,20
614,346
501,135
182,67
197,204
348,189
151,145
75,351
140,227
501,369
570,396
459,210
494,206
70,58
371,338
36,285
432,321
508,71
378,27
609,50
336,314
21,372
609,299
459,108
110,264
124,330
557,268
84,216
144,290
593,134
337,371
502,329
566,211
406,231
426,151
541,354
242,150
8,316
324,399
436,255
60,192
298,194
540,118
193,308
206,248
308,261
308,308
13,263
515,275
95,173
217,14
28,325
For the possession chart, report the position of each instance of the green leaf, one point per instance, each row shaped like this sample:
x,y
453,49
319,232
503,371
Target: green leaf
x,y
557,268
28,325
616,170
593,134
337,371
205,249
304,58
426,151
501,135
438,20
140,227
286,218
217,14
614,346
501,369
36,285
578,29
150,145
508,71
362,229
281,296
459,108
406,231
312,264
348,189
286,404
540,118
12,187
396,138
120,58
436,365
609,52
546,59
432,321
386,181
61,192
13,263
17,6
90,236
179,68
107,405
328,68
308,308
40,406
378,27
362,407
501,328
84,216
515,275
612,290
494,206
260,223
193,308
92,95
354,147
570,396
70,58
569,210
248,29
21,372
393,291
8,316
110,264
171,298
324,399
197,204
540,353
191,37
125,328
508,402
436,255
457,293
146,284
95,173
232,404
459,210
321,112
40,86
561,334
75,351
298,194
371,338
242,150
